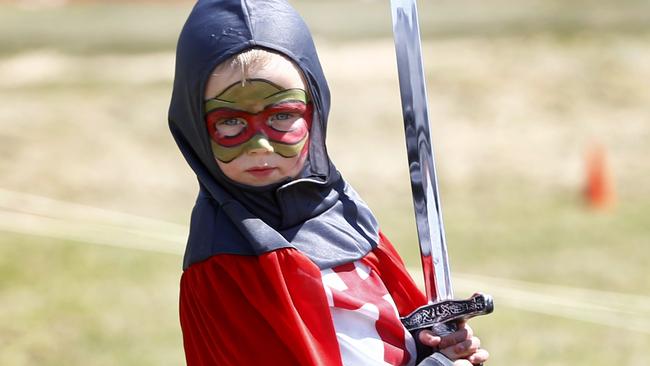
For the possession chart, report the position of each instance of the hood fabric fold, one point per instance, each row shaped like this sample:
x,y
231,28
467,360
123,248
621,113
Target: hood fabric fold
x,y
317,213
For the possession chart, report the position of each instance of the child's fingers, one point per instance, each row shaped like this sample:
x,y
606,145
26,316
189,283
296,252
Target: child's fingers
x,y
463,333
463,349
428,338
479,356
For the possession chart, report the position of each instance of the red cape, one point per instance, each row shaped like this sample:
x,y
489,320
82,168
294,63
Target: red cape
x,y
272,309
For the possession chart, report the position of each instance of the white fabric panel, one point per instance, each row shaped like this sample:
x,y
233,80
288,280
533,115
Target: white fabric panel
x,y
356,330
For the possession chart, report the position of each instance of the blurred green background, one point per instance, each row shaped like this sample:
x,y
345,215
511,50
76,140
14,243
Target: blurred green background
x,y
95,197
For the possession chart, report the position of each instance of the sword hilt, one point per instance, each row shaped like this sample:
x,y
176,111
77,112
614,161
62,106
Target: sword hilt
x,y
442,316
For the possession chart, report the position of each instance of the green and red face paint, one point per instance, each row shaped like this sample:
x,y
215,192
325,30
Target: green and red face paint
x,y
258,114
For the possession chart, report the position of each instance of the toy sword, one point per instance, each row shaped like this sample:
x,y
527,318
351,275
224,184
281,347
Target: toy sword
x,y
442,312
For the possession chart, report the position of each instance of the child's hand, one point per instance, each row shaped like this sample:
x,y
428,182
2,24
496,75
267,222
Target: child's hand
x,y
460,346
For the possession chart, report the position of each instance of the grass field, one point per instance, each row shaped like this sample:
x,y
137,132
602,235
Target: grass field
x,y
518,93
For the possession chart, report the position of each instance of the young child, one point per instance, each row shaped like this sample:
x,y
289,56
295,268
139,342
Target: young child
x,y
285,264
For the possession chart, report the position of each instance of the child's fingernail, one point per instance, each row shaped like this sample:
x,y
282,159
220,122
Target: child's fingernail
x,y
430,338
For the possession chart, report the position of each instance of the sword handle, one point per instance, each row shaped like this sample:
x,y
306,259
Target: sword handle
x,y
443,329
442,316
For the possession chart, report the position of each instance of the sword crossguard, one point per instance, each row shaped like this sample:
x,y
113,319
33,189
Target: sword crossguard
x,y
439,315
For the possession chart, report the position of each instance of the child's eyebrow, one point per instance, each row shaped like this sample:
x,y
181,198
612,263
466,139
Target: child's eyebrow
x,y
285,91
226,110
214,104
293,93
292,102
209,103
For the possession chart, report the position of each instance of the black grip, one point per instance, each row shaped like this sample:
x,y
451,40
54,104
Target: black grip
x,y
436,314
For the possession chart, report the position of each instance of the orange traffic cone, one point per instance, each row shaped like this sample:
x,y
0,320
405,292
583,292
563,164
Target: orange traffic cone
x,y
599,189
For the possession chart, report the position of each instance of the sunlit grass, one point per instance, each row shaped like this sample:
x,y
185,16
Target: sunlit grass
x,y
68,303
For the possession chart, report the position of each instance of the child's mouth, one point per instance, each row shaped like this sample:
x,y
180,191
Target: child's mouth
x,y
261,172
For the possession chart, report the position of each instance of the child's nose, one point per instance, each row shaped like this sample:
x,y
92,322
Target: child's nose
x,y
259,144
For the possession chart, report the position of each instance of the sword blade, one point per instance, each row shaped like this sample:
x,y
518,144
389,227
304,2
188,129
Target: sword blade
x,y
424,182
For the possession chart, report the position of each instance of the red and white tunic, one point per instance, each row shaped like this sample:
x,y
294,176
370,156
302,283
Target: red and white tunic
x,y
274,309
365,318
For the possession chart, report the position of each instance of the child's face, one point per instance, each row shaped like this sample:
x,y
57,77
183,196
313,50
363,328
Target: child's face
x,y
259,130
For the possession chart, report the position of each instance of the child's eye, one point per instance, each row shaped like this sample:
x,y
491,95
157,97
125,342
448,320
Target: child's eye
x,y
284,121
229,127
231,122
281,116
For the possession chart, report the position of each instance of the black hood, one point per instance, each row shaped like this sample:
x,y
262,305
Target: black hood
x,y
317,213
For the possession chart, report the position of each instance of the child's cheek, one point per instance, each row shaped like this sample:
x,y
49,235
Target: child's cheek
x,y
229,169
302,157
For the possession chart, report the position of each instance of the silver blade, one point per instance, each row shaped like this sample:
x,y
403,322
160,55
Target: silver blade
x,y
424,183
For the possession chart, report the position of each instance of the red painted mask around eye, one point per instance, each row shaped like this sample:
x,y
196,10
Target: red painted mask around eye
x,y
286,122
